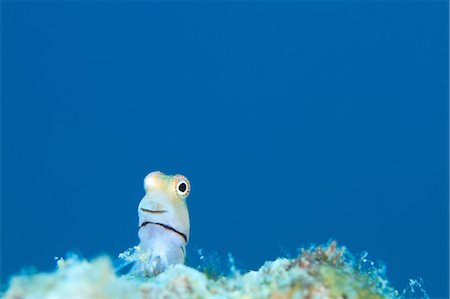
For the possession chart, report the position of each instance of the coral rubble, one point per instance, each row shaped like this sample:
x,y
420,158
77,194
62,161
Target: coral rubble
x,y
319,272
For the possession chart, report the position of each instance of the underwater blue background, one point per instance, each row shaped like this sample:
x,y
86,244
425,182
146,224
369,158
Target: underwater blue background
x,y
295,122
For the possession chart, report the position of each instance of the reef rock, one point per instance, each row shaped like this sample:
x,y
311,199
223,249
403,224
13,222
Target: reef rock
x,y
319,272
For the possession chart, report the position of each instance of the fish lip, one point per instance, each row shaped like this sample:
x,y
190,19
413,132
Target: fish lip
x,y
166,227
154,211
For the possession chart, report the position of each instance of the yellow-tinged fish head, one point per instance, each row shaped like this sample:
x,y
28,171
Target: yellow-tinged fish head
x,y
164,203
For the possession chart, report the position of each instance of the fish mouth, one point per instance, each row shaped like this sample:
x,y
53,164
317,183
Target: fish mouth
x,y
154,211
166,227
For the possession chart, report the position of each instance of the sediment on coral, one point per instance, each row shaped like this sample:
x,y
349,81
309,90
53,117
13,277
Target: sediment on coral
x,y
326,271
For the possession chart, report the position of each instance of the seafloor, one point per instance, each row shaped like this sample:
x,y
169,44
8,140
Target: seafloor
x,y
324,271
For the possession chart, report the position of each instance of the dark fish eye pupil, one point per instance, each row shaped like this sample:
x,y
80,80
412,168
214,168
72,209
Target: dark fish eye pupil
x,y
182,187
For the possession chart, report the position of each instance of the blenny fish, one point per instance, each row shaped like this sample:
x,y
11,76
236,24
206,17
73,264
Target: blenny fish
x,y
163,222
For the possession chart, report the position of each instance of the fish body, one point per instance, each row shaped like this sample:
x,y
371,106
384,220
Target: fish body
x,y
163,222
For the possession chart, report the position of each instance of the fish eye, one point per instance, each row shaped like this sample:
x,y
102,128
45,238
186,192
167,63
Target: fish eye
x,y
183,187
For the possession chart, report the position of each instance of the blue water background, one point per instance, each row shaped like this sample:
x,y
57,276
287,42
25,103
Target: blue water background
x,y
295,122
